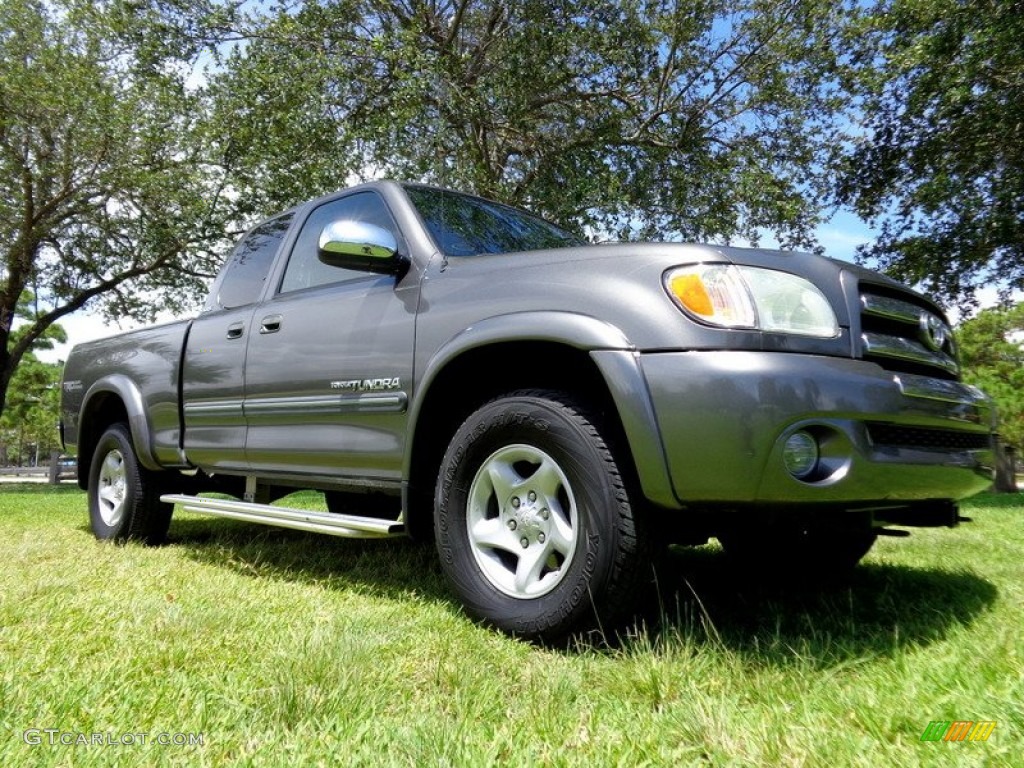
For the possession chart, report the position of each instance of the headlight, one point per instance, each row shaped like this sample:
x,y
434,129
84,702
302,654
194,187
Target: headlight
x,y
750,297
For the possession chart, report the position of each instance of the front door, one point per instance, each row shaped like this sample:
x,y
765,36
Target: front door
x,y
329,364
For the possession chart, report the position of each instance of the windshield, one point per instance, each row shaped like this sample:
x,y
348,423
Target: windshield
x,y
465,226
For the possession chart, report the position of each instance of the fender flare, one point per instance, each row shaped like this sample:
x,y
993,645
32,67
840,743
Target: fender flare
x,y
615,357
138,422
581,331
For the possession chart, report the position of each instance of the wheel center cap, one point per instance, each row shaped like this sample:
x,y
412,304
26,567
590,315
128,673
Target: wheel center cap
x,y
530,521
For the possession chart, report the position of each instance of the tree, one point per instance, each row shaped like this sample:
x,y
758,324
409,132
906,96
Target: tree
x,y
702,120
939,165
28,425
109,190
992,351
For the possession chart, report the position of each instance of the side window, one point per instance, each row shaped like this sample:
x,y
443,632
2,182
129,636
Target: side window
x,y
304,269
243,276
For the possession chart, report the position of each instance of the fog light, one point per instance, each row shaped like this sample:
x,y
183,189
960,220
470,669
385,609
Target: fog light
x,y
800,454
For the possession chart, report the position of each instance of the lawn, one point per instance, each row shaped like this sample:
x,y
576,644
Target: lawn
x,y
285,648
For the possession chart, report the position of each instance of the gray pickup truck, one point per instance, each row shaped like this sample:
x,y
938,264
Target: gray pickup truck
x,y
552,413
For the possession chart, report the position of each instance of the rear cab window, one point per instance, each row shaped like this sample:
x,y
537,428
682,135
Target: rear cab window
x,y
242,278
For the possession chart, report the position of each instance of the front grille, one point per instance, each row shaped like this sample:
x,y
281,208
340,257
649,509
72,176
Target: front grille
x,y
902,332
885,435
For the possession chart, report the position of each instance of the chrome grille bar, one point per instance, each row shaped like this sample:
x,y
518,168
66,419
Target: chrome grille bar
x,y
899,348
893,309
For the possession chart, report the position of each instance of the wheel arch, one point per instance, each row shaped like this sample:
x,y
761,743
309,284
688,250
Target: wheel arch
x,y
109,400
577,354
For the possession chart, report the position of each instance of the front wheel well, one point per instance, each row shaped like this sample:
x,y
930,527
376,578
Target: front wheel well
x,y
482,374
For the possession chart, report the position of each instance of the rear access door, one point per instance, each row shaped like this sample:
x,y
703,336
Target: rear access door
x,y
213,381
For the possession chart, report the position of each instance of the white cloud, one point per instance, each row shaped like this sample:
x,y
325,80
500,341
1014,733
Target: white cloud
x,y
841,243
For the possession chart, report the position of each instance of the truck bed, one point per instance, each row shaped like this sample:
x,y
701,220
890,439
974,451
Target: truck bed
x,y
150,359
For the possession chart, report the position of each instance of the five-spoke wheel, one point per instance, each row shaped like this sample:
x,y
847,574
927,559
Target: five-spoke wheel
x,y
521,520
124,497
112,488
534,523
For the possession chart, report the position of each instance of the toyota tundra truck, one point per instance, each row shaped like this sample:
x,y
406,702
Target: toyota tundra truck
x,y
551,413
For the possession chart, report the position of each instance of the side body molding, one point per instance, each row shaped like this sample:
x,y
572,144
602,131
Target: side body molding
x,y
123,387
612,352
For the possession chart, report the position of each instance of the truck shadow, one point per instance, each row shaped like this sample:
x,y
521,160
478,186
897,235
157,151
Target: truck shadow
x,y
874,611
701,600
388,568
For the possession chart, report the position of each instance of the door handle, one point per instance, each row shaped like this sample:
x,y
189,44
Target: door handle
x,y
270,324
235,330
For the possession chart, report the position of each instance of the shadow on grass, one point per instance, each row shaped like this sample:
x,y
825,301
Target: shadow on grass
x,y
988,501
389,568
875,611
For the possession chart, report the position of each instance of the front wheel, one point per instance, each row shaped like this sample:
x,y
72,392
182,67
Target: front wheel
x,y
124,497
534,523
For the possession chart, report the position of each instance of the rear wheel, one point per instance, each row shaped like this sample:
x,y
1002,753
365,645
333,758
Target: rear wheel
x,y
534,524
124,497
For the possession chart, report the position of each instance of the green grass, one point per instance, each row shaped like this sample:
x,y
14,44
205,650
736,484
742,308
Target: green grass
x,y
284,648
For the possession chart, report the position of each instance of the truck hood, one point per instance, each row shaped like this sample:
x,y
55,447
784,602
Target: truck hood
x,y
622,284
627,258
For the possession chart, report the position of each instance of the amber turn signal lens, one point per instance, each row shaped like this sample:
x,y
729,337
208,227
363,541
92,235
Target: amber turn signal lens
x,y
692,294
712,293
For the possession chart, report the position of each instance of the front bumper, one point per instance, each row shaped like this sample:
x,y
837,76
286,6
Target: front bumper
x,y
884,437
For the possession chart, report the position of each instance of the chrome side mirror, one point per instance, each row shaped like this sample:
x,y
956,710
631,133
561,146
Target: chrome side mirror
x,y
358,245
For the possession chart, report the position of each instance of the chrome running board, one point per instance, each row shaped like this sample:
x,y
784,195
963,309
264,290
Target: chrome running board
x,y
347,526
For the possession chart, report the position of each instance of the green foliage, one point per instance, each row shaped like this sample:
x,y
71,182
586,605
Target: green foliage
x,y
940,164
642,117
28,424
123,175
992,351
108,188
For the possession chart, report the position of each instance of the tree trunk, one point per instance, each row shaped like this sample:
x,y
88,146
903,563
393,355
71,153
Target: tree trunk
x,y
1006,465
6,371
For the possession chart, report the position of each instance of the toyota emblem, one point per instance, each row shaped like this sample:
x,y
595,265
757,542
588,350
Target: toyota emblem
x,y
934,332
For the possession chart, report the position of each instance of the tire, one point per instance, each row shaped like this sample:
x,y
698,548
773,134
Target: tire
x,y
376,505
533,521
124,497
821,553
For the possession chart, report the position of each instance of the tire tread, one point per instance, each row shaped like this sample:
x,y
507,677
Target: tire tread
x,y
146,518
626,577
